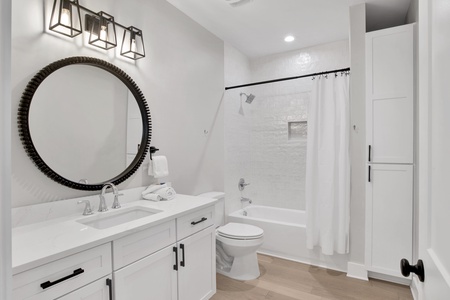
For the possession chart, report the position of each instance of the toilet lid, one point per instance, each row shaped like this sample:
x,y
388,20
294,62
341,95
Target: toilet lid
x,y
239,230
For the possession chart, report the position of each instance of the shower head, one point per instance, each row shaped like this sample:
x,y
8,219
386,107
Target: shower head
x,y
250,98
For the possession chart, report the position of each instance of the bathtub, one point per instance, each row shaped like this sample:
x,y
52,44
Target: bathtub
x,y
285,235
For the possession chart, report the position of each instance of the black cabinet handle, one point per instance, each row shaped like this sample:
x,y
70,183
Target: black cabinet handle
x,y
369,172
370,152
109,284
175,266
48,284
201,220
417,269
182,255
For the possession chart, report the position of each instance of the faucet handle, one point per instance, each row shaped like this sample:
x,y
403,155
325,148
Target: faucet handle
x,y
87,209
116,203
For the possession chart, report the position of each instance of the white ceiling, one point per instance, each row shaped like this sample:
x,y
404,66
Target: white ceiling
x,y
258,27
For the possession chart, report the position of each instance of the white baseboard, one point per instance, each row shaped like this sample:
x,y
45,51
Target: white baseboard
x,y
390,278
416,289
357,271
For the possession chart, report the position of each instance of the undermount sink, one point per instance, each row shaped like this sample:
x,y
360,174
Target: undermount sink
x,y
114,218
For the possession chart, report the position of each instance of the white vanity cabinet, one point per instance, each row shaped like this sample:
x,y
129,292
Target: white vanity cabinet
x,y
169,258
184,269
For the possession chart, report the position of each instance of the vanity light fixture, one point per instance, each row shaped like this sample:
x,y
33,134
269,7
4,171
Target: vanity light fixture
x,y
66,20
133,43
103,31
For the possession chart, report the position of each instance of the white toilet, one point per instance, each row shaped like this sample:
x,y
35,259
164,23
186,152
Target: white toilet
x,y
236,244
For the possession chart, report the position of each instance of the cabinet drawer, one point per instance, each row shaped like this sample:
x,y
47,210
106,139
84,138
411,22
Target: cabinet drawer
x,y
195,222
140,244
64,275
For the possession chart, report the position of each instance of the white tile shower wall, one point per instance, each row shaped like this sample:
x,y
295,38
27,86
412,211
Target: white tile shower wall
x,y
256,139
237,135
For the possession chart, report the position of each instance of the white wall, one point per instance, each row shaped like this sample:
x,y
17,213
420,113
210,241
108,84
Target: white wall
x,y
257,144
182,78
5,150
358,137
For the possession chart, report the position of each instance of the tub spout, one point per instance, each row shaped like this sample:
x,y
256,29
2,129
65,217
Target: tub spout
x,y
243,199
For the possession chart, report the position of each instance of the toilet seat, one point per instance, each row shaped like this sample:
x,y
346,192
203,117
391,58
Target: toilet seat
x,y
239,231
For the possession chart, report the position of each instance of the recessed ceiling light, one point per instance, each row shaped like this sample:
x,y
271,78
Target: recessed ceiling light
x,y
289,39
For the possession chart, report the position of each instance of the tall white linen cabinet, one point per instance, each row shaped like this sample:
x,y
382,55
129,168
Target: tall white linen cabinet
x,y
390,148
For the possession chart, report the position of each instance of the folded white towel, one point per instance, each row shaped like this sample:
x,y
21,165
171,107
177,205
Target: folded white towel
x,y
152,197
166,193
152,188
158,167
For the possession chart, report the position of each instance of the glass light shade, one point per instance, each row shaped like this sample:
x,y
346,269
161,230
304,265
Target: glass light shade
x,y
66,18
133,43
103,31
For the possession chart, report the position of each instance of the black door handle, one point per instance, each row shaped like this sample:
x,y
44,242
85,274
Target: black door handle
x,y
109,284
175,266
48,284
182,262
370,152
417,269
369,172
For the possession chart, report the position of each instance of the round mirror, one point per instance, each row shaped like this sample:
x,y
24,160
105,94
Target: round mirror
x,y
84,122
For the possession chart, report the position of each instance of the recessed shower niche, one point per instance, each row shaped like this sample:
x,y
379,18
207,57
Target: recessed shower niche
x,y
297,130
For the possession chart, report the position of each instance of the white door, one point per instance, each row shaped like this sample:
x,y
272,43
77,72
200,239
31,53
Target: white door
x,y
197,266
390,95
434,149
153,277
389,212
98,290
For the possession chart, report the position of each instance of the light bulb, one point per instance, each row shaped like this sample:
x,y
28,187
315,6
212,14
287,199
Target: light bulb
x,y
133,45
65,17
103,33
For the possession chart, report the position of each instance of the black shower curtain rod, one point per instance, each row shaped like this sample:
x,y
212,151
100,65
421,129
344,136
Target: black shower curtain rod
x,y
286,78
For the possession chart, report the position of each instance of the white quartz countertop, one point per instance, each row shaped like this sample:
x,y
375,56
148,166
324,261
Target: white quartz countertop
x,y
42,242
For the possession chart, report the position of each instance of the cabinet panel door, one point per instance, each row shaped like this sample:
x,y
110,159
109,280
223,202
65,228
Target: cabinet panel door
x,y
98,290
197,266
390,95
152,277
389,217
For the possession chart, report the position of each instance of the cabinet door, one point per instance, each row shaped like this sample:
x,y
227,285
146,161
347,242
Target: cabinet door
x,y
98,290
152,277
197,266
390,95
389,217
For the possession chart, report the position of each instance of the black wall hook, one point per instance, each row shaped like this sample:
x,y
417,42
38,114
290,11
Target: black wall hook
x,y
153,151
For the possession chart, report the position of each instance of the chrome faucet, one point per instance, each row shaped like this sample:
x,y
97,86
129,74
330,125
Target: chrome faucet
x,y
243,199
102,207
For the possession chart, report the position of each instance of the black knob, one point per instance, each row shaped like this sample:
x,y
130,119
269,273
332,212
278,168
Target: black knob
x,y
417,269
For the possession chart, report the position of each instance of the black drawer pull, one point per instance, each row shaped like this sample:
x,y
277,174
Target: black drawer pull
x,y
48,284
201,220
182,262
175,266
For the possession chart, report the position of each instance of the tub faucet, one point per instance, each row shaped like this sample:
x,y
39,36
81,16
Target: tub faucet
x,y
243,199
102,207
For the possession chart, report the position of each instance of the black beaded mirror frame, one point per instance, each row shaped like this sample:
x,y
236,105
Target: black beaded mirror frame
x,y
24,110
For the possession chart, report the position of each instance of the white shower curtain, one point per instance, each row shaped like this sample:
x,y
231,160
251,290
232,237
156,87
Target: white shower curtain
x,y
328,166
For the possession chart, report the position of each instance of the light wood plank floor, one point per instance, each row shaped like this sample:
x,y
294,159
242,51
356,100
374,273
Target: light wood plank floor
x,y
286,280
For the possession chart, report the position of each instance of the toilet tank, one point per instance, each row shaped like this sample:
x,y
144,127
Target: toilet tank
x,y
220,206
